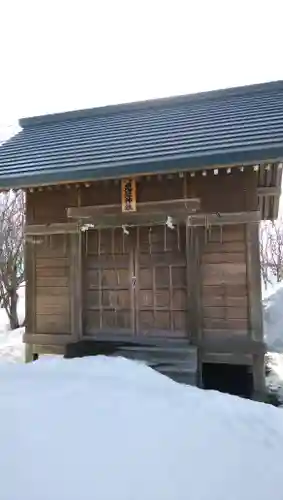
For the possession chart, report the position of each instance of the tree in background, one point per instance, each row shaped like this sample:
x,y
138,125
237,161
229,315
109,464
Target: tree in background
x,y
271,251
12,209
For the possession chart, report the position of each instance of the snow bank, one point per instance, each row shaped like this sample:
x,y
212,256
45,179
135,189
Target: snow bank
x,y
275,378
11,345
273,318
112,429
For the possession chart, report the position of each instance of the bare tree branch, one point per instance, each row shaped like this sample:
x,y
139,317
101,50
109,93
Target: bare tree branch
x,y
271,251
12,210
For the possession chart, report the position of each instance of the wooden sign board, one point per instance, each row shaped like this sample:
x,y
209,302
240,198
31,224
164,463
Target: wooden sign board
x,y
129,195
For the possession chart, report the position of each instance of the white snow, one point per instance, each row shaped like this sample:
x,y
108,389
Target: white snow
x,y
11,345
273,330
275,378
108,428
273,318
112,429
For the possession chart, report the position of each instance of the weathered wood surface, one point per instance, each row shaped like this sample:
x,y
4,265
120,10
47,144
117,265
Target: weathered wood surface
x,y
145,283
76,285
254,305
31,286
107,300
216,194
52,292
150,208
221,218
194,248
50,229
224,282
269,191
254,281
136,283
160,292
47,338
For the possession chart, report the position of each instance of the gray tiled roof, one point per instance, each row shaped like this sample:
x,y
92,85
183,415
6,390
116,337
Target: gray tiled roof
x,y
233,126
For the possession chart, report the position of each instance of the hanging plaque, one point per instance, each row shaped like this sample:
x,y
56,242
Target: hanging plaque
x,y
129,195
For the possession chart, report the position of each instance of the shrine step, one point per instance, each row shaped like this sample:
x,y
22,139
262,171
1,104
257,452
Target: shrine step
x,y
177,359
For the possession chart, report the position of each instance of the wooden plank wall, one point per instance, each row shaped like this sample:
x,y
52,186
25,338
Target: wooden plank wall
x,y
52,271
224,193
224,282
48,266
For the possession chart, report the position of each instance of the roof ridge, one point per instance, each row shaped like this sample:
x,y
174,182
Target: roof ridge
x,y
152,103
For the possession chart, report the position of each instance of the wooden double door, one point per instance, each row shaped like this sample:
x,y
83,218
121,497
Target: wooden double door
x,y
135,283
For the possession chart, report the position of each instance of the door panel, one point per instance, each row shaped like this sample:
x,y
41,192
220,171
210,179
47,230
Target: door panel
x,y
160,293
109,301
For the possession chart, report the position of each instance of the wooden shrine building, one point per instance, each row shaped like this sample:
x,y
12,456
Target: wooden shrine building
x,y
142,230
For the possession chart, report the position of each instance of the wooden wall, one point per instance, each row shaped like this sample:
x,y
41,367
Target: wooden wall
x,y
224,192
223,266
52,284
224,282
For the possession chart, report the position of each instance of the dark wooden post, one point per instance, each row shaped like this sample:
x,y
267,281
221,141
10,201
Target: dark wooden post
x,y
76,285
30,270
194,242
255,305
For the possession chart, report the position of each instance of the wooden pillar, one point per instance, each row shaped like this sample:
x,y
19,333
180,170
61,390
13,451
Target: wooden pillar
x,y
76,286
255,305
194,242
28,353
30,291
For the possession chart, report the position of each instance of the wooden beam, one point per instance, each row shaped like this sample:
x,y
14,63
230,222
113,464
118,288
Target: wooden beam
x,y
164,207
227,358
254,304
48,229
49,349
254,281
219,219
244,345
194,240
30,292
28,353
31,337
132,219
278,182
76,284
269,191
178,345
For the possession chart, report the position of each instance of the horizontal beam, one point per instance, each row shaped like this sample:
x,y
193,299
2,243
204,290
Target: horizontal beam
x,y
227,358
230,345
158,208
222,341
135,219
48,339
219,219
269,191
122,340
49,229
48,349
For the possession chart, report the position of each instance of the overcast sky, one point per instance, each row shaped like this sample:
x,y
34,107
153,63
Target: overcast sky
x,y
64,55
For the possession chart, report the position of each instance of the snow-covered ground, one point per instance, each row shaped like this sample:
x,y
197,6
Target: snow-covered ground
x,y
112,429
12,348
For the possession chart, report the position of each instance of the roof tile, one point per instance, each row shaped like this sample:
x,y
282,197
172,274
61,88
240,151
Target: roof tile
x,y
239,125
